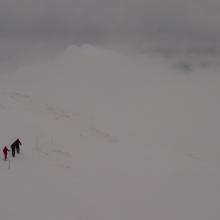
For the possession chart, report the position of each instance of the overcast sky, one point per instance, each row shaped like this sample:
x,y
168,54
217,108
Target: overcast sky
x,y
106,18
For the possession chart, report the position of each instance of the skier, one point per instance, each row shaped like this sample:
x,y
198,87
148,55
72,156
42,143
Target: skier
x,y
5,151
15,146
13,150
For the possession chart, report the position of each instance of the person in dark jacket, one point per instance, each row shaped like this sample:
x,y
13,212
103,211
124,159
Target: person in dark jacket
x,y
13,150
5,151
15,146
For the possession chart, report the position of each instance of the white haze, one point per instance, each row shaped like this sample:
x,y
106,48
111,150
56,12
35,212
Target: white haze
x,y
110,135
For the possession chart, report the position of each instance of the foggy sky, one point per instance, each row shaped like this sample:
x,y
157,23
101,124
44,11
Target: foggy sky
x,y
111,18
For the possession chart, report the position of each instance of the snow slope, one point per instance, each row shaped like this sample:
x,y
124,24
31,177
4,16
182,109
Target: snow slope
x,y
110,136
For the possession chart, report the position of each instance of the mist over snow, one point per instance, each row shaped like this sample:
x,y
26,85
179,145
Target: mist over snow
x,y
109,135
116,104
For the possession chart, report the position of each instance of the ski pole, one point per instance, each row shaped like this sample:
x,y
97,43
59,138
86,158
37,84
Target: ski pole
x,y
9,162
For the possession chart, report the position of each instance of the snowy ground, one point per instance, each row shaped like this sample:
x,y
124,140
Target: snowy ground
x,y
108,136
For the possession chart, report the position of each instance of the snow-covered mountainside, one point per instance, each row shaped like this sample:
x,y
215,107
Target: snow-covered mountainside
x,y
108,136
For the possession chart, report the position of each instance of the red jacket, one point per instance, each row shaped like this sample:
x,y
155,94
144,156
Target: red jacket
x,y
5,150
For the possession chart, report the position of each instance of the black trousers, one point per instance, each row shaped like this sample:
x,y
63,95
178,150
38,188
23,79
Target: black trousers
x,y
13,152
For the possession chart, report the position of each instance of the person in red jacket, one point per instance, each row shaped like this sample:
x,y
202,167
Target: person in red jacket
x,y
5,151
